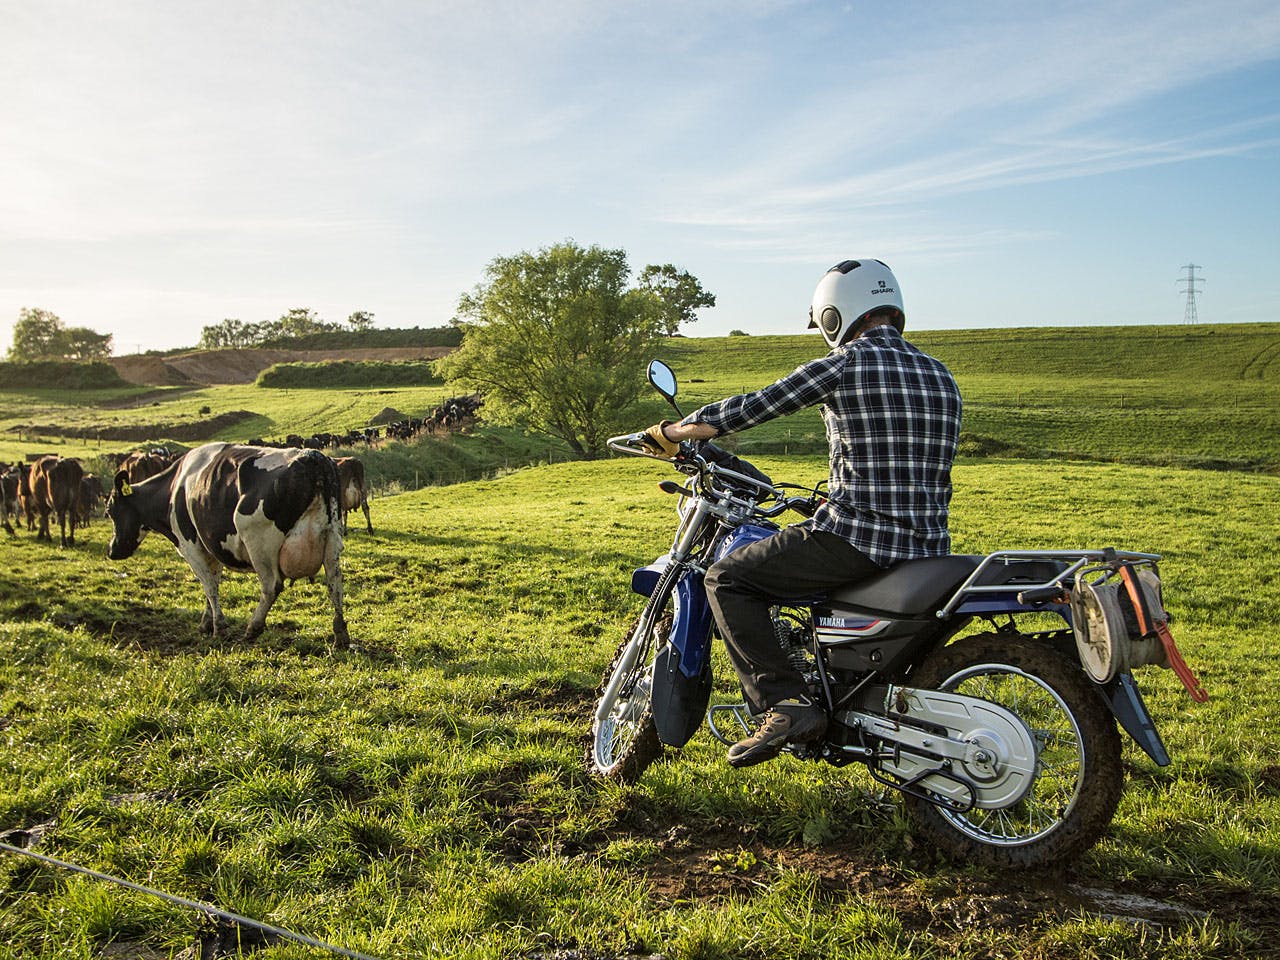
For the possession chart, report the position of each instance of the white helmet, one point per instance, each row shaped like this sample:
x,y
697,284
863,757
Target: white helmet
x,y
848,293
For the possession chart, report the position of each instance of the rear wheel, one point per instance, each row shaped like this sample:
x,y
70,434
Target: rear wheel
x,y
1079,776
625,741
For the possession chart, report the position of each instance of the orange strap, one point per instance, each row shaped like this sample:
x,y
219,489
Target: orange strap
x,y
1179,665
1135,595
1176,663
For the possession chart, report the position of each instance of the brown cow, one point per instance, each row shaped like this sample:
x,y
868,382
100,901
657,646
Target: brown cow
x,y
55,486
8,495
355,493
91,494
139,466
26,500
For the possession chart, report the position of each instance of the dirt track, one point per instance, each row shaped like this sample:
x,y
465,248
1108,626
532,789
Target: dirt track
x,y
243,366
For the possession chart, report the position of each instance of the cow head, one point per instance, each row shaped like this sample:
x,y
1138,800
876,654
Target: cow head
x,y
123,512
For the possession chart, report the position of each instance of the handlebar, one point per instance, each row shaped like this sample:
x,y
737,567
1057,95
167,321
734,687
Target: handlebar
x,y
723,466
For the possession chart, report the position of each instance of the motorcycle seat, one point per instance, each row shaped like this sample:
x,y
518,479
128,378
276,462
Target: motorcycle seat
x,y
920,587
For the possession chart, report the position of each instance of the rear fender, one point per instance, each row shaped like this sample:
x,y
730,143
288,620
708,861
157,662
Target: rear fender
x,y
1125,700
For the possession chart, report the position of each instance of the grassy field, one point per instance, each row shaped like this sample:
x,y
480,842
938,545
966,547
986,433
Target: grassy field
x,y
424,794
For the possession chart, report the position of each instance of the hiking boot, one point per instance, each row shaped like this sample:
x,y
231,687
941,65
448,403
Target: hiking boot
x,y
791,721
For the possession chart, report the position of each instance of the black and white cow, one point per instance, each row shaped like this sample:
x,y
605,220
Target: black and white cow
x,y
278,512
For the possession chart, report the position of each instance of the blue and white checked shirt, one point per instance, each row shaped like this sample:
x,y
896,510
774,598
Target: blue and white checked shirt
x,y
893,421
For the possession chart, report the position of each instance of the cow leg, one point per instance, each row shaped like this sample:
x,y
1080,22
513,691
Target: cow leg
x,y
368,522
209,572
333,580
272,586
43,532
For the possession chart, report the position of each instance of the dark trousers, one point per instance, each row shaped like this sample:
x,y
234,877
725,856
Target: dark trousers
x,y
796,563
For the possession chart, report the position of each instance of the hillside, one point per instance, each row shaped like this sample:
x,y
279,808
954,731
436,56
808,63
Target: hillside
x,y
215,367
1201,395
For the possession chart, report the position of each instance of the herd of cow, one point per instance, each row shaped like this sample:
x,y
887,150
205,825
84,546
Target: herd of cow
x,y
58,487
279,512
449,415
277,509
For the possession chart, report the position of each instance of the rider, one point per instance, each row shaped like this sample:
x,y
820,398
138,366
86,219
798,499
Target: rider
x,y
892,415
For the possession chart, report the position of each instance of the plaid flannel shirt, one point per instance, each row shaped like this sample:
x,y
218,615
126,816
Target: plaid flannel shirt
x,y
893,421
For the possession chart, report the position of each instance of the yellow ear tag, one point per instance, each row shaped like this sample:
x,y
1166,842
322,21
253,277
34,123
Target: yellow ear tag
x,y
125,489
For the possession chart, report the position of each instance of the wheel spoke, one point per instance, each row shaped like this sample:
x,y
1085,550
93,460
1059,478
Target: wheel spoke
x,y
1059,766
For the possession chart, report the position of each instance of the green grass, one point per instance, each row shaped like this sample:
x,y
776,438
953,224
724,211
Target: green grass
x,y
425,796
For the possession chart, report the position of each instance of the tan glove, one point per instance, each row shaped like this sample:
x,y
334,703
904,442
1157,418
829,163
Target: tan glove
x,y
656,442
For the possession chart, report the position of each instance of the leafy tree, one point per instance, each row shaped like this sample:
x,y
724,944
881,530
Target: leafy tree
x,y
739,333
301,321
556,340
231,334
677,294
40,335
360,320
37,335
81,343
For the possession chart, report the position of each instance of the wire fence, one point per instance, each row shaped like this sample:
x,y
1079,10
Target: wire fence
x,y
205,908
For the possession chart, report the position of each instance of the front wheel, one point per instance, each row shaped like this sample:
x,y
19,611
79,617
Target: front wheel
x,y
625,741
1079,776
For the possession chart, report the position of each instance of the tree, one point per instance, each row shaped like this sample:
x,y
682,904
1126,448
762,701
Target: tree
x,y
37,335
40,335
301,321
230,334
677,294
360,320
557,341
81,343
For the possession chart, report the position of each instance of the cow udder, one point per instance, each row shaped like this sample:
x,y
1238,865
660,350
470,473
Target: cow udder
x,y
302,553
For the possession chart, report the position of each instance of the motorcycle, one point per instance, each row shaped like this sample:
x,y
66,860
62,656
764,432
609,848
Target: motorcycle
x,y
1003,742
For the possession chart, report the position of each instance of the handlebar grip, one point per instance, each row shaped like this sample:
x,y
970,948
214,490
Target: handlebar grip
x,y
1054,593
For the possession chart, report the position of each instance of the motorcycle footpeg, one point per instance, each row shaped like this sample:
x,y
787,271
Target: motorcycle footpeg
x,y
736,713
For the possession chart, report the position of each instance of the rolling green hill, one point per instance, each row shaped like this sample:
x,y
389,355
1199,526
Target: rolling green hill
x,y
1189,395
1201,396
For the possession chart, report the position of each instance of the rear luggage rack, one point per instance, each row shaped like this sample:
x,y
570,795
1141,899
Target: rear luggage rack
x,y
1075,559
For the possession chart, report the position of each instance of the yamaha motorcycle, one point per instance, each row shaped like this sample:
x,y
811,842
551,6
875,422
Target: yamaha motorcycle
x,y
1000,735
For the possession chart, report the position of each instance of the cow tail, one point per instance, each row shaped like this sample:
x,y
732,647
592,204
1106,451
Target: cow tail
x,y
332,490
324,477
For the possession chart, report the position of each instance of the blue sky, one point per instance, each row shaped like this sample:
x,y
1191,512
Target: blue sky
x,y
163,166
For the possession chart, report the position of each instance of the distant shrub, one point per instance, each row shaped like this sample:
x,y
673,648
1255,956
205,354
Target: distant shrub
x,y
739,333
350,373
372,338
63,374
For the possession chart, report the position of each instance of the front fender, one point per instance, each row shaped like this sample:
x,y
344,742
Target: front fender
x,y
682,670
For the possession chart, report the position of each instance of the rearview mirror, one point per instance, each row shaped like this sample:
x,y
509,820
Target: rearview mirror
x,y
663,379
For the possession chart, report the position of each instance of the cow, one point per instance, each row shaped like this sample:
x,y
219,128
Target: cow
x,y
26,500
354,491
277,512
138,466
55,488
90,496
8,496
